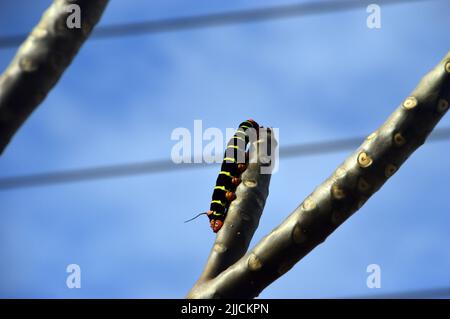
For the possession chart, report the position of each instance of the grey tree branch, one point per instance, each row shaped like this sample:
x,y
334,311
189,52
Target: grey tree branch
x,y
41,60
243,216
359,177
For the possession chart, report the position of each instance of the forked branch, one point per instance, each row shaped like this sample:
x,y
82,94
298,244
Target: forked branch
x,y
342,194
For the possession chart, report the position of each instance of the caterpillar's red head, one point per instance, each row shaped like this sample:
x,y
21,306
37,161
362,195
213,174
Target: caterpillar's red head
x,y
216,225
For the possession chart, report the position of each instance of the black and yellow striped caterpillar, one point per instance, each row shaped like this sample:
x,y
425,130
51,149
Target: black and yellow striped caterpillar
x,y
234,164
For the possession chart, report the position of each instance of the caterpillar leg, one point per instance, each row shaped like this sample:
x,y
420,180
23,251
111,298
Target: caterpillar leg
x,y
235,181
242,167
230,196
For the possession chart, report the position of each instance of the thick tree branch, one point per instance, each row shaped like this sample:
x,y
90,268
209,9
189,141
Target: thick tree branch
x,y
359,177
41,60
243,216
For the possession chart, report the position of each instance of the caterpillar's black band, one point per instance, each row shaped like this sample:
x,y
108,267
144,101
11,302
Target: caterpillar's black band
x,y
235,154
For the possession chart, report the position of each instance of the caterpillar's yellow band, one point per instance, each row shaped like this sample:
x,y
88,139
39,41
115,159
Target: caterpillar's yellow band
x,y
222,188
218,202
230,159
225,173
239,138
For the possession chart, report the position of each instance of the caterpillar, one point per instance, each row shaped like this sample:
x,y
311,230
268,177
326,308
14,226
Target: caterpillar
x,y
235,162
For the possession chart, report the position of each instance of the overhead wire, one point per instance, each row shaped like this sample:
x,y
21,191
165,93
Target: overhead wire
x,y
167,165
211,20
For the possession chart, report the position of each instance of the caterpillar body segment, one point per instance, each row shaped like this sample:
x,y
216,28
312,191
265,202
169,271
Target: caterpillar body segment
x,y
235,162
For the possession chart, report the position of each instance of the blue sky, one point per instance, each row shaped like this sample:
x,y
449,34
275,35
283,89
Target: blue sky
x,y
315,78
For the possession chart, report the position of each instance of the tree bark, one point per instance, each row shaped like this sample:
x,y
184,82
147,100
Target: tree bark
x,y
41,60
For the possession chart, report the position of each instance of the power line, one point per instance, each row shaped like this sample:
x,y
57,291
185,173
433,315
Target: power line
x,y
159,166
217,19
